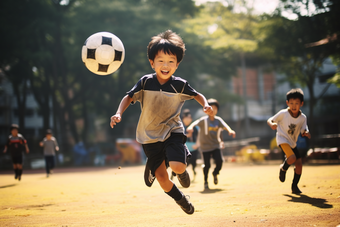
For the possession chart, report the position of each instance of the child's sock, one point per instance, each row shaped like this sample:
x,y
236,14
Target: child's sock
x,y
175,193
16,173
296,179
19,174
285,165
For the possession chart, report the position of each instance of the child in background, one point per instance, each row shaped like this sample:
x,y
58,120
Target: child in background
x,y
50,146
192,139
16,144
160,129
289,123
210,140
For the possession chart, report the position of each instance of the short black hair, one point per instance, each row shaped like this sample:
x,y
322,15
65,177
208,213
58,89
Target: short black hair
x,y
295,93
214,102
48,131
169,42
186,113
14,126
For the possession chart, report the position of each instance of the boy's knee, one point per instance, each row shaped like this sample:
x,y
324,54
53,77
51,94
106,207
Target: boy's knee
x,y
291,159
178,167
162,177
298,162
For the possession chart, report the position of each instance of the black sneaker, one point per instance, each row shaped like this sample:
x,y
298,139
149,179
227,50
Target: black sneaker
x,y
186,206
215,179
148,177
282,175
184,179
296,190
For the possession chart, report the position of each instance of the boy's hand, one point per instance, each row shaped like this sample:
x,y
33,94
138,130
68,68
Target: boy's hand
x,y
222,145
115,119
232,133
273,125
306,134
208,110
189,132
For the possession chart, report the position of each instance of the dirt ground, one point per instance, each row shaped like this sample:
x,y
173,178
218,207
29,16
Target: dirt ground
x,y
247,195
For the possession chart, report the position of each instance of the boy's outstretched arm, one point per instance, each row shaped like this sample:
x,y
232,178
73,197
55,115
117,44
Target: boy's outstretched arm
x,y
203,101
272,124
190,128
306,134
121,108
230,131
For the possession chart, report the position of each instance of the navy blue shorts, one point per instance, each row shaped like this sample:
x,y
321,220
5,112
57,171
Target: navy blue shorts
x,y
172,149
17,159
295,151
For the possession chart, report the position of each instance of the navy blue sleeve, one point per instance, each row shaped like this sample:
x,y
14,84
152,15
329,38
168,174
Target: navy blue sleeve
x,y
138,87
189,90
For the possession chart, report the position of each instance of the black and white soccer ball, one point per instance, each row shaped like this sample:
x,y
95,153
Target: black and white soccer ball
x,y
103,53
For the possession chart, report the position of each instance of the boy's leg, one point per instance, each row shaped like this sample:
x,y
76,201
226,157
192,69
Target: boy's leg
x,y
180,169
193,160
176,155
17,165
170,188
47,165
289,160
217,156
206,159
16,172
162,177
296,179
19,168
297,173
52,163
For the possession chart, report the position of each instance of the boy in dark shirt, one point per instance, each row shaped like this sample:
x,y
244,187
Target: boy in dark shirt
x,y
16,144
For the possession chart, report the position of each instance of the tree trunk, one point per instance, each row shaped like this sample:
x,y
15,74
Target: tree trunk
x,y
244,82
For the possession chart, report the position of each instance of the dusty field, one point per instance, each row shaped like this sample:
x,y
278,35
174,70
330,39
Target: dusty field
x,y
247,195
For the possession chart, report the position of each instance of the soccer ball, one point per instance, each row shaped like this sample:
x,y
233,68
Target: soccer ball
x,y
103,53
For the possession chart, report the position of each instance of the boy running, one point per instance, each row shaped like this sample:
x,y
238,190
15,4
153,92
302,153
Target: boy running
x,y
210,140
16,144
160,129
289,123
50,146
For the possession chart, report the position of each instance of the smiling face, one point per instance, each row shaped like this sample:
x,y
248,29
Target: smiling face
x,y
294,106
14,132
165,66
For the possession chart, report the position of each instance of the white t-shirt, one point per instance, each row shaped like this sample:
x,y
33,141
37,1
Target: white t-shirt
x,y
288,127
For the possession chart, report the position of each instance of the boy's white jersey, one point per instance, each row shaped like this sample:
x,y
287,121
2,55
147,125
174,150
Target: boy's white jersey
x,y
288,127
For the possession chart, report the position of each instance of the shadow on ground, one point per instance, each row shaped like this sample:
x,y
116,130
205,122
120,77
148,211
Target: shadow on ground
x,y
209,191
317,202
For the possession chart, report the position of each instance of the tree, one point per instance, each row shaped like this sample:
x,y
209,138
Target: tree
x,y
234,36
288,40
48,38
